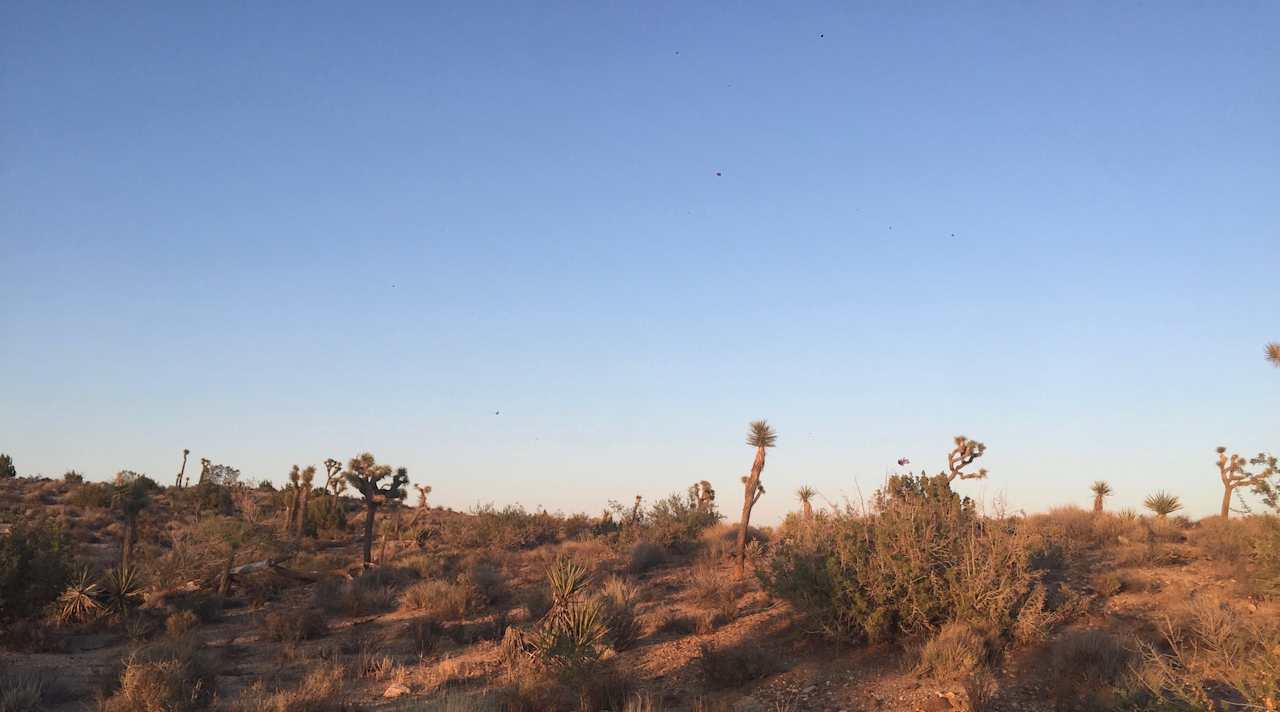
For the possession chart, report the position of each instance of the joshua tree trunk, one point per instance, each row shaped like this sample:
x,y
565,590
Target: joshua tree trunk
x,y
808,510
1097,503
751,495
302,510
1226,501
130,535
370,512
224,586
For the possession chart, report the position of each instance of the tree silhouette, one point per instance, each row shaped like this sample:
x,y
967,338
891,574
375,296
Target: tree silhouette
x,y
760,436
366,476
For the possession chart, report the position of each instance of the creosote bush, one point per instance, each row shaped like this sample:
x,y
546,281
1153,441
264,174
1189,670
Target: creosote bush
x,y
35,567
923,560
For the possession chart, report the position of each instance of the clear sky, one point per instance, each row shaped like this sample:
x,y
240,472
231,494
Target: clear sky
x,y
275,233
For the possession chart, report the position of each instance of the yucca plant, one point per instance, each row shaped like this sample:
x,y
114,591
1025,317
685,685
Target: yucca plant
x,y
761,436
1100,490
130,497
1272,351
805,494
1162,503
79,602
570,641
121,590
568,580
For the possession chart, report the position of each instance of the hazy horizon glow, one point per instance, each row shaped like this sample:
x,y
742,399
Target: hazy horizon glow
x,y
279,233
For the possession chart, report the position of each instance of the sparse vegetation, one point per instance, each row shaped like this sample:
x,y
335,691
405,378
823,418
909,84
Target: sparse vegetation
x,y
761,436
1162,504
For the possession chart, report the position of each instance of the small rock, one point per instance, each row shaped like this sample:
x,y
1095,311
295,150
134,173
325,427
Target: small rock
x,y
395,690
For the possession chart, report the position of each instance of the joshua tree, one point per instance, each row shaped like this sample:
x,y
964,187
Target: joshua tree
x,y
961,456
759,436
1163,504
421,509
130,498
183,469
365,474
805,494
1233,474
1272,351
706,496
301,481
7,470
332,472
635,511
204,469
1100,489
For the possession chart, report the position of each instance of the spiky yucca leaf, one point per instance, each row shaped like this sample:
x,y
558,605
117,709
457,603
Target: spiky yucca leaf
x,y
1162,503
122,588
568,579
1272,351
79,602
1100,488
806,493
761,434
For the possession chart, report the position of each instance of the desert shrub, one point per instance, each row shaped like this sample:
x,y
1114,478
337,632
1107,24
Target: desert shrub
x,y
676,522
35,568
72,477
1088,669
922,560
536,601
322,690
425,565
957,651
294,626
618,612
7,470
730,667
424,634
24,691
714,592
1107,583
207,607
179,623
644,556
164,678
487,583
440,600
1214,657
511,527
91,494
1248,543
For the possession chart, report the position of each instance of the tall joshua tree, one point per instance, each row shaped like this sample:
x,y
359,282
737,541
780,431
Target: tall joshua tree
x,y
706,496
301,480
182,470
805,494
1272,351
761,436
1100,490
1233,473
130,498
366,476
963,455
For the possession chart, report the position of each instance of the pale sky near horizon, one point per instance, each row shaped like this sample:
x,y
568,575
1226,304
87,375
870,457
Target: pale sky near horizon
x,y
279,232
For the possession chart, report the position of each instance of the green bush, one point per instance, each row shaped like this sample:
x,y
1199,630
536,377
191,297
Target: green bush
x,y
511,527
35,567
923,560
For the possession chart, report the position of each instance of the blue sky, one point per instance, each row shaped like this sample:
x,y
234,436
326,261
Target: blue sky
x,y
275,233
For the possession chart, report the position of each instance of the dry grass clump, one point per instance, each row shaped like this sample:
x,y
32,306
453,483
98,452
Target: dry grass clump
x,y
645,555
957,651
25,691
164,678
322,690
1089,670
179,623
439,600
294,626
486,582
618,611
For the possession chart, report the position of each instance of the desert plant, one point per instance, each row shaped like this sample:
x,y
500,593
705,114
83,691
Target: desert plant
x,y
618,606
7,470
731,667
365,475
79,601
1233,474
761,436
179,623
72,477
956,651
183,469
1272,352
961,456
298,493
1100,490
439,600
23,691
1162,503
130,498
805,494
706,496
35,567
121,590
